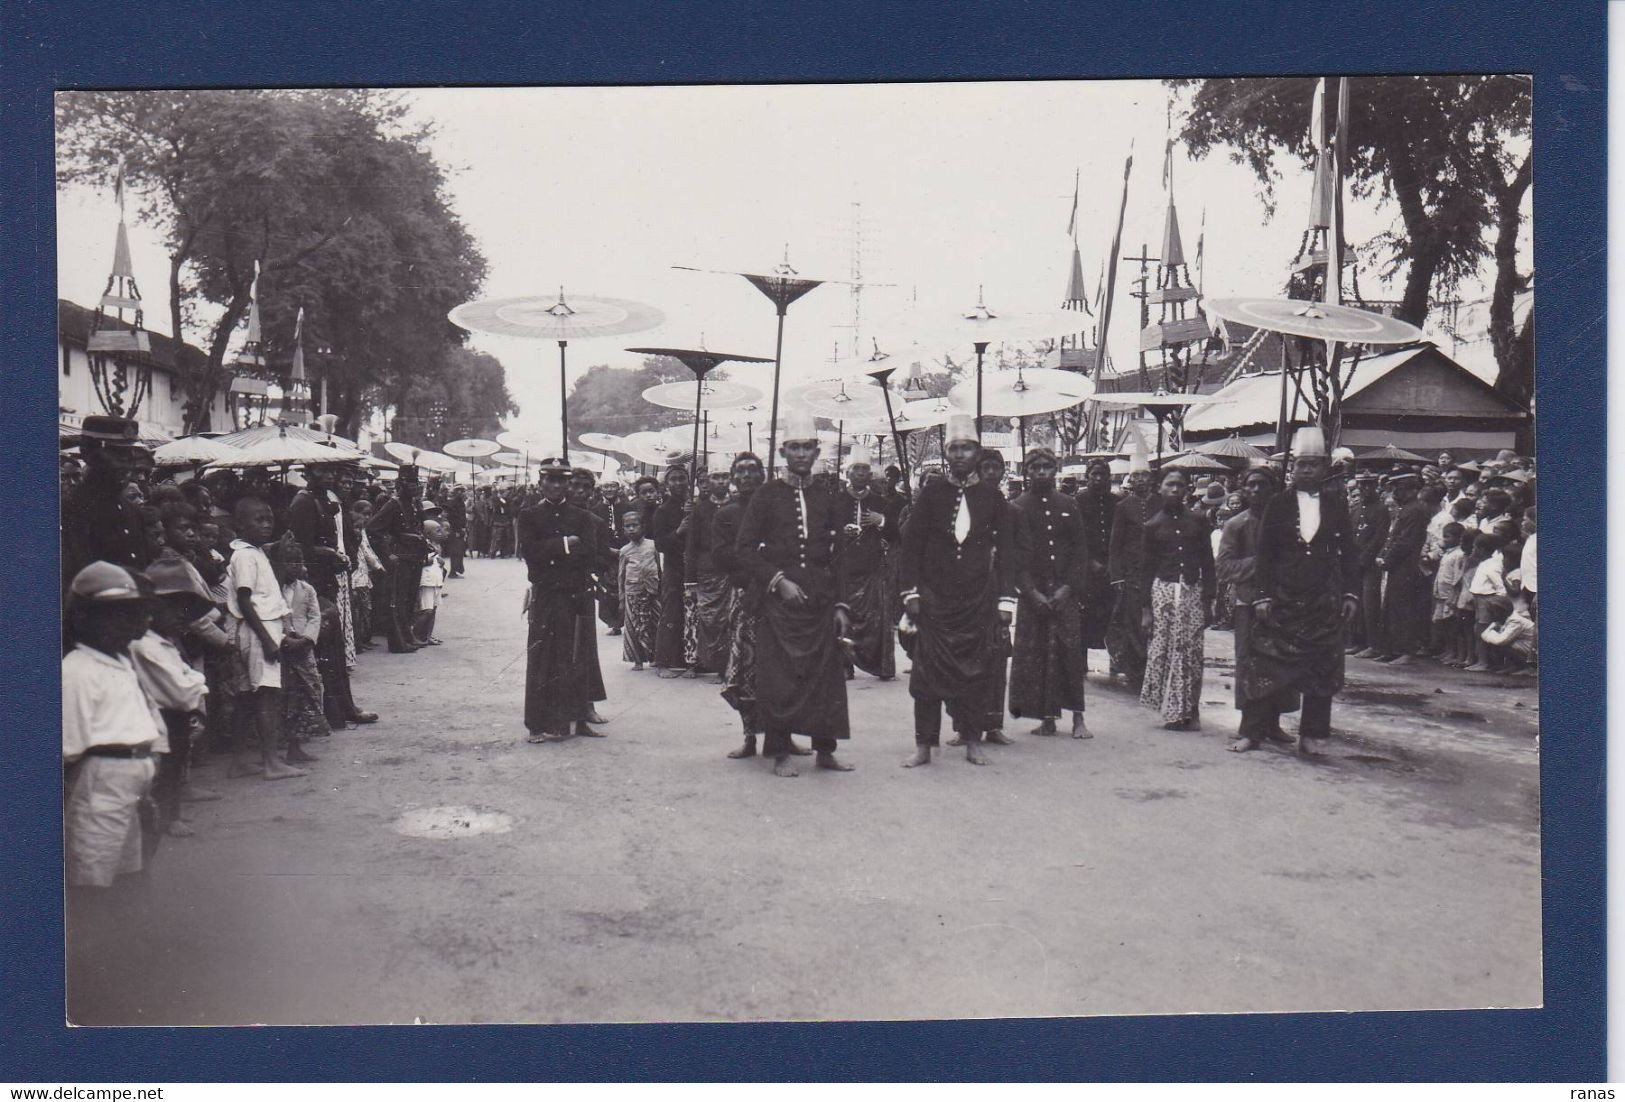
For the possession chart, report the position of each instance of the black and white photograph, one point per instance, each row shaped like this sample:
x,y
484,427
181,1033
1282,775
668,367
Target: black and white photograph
x,y
798,552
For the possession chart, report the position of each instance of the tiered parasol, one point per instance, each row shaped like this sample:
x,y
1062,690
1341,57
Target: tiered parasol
x,y
539,318
1193,461
702,362
472,448
1233,447
1023,393
286,450
1391,454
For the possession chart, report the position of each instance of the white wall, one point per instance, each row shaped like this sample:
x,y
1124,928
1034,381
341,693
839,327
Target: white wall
x,y
162,405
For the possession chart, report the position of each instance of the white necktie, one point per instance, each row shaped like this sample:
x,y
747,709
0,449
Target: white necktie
x,y
962,519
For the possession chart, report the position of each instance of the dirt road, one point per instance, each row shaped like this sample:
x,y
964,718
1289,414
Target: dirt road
x,y
644,877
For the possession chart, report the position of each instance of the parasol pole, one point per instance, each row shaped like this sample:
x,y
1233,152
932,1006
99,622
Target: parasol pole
x,y
840,431
699,396
883,377
981,348
705,436
564,407
773,426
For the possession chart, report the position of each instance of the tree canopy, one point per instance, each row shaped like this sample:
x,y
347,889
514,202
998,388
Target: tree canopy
x,y
340,202
610,399
1452,153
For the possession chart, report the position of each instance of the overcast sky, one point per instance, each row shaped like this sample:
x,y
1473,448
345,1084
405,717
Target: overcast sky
x,y
955,187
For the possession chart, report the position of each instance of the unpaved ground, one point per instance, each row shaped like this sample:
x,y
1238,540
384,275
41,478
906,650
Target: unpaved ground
x,y
644,877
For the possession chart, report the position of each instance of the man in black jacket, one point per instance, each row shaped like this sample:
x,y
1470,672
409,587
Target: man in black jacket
x,y
1097,509
1046,676
669,529
316,522
98,523
958,582
556,540
1406,598
1371,521
1304,570
786,546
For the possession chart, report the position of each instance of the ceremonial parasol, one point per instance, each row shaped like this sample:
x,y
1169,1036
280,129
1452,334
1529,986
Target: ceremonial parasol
x,y
597,461
701,361
1193,461
1325,321
982,326
1024,393
1161,404
1233,447
406,453
377,463
511,459
601,441
537,318
881,365
782,286
283,451
255,434
847,399
531,443
472,448
1393,454
191,451
653,448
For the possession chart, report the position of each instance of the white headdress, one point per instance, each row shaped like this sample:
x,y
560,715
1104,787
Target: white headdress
x,y
961,426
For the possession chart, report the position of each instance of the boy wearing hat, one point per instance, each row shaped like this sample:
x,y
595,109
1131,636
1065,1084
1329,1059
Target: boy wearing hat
x,y
786,545
868,532
959,591
109,729
556,540
172,683
1304,573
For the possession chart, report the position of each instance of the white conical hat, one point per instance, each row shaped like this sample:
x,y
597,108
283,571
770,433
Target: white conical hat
x,y
1138,462
961,426
859,454
800,426
1309,441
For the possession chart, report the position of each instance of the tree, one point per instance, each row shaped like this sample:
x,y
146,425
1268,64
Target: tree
x,y
610,399
464,393
1452,153
341,205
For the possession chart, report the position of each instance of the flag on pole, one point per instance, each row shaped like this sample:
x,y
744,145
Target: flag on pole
x,y
1072,222
1111,268
297,374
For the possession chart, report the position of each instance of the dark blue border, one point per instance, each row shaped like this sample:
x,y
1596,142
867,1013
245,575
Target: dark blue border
x,y
54,44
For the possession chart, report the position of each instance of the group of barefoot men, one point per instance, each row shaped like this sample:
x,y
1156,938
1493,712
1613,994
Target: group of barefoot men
x,y
813,581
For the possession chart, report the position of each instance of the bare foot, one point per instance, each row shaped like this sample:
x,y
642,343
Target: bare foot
x,y
922,756
667,674
998,738
956,741
279,772
1079,728
1243,746
178,829
828,761
746,751
973,755
1045,728
637,667
783,768
583,731
1310,747
245,769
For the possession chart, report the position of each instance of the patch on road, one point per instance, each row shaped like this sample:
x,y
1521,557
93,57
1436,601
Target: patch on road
x,y
1143,795
451,822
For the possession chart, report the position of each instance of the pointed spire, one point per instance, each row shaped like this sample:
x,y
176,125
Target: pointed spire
x,y
1173,248
297,374
254,307
1076,293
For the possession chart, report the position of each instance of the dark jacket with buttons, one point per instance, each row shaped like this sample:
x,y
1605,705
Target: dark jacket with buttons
x,y
541,530
1177,547
935,561
1052,545
770,540
99,525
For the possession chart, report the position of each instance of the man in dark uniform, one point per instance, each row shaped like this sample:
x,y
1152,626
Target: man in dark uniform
x,y
1046,676
1305,572
313,519
739,677
709,609
786,545
670,532
1371,522
1127,638
868,532
958,582
1236,568
1407,598
556,541
457,542
396,533
1097,508
579,493
98,524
